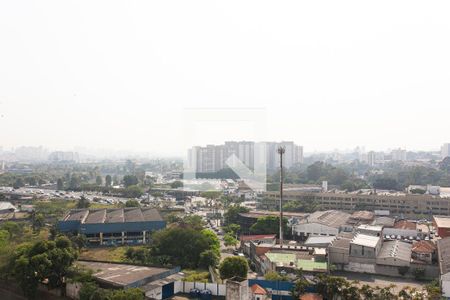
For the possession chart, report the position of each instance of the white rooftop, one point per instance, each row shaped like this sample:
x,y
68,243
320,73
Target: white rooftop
x,y
7,206
312,240
375,228
442,221
365,240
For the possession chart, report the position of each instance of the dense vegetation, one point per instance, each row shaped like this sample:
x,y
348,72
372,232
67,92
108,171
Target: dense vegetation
x,y
349,176
184,243
333,287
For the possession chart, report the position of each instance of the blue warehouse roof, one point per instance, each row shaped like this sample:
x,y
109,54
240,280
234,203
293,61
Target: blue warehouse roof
x,y
114,215
112,220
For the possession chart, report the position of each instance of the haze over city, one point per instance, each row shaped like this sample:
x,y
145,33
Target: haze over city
x,y
327,77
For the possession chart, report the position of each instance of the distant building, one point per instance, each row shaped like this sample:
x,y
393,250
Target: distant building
x,y
424,251
64,156
113,226
325,223
395,253
155,283
365,246
445,150
442,224
213,158
371,158
398,155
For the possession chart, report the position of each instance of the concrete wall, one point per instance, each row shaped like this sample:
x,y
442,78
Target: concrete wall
x,y
185,287
314,229
431,271
337,255
72,290
236,290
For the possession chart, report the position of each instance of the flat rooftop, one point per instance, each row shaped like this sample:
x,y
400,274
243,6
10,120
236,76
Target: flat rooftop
x,y
442,221
115,215
296,260
121,275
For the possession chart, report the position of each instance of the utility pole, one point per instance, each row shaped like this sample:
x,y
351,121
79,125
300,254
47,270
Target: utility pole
x,y
281,151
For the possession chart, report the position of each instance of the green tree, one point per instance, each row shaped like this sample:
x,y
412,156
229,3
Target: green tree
x,y
14,229
193,221
43,260
75,182
172,218
132,203
212,239
83,202
232,229
275,276
108,180
133,191
18,183
268,225
232,214
180,245
127,294
129,180
229,240
87,290
59,184
38,221
233,266
208,258
300,285
176,184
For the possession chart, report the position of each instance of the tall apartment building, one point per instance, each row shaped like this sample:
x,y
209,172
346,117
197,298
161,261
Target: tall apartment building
x,y
398,154
64,156
371,158
445,150
213,158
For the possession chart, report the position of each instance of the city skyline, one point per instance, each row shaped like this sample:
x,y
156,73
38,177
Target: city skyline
x,y
324,82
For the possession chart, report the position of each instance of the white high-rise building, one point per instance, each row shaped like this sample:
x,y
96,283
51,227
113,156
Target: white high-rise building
x,y
213,158
445,150
398,154
371,158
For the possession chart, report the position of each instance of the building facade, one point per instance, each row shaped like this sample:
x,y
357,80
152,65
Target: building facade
x,y
405,204
111,227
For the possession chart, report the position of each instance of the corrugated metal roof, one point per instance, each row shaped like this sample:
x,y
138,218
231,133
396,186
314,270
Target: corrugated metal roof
x,y
7,206
365,240
396,249
117,215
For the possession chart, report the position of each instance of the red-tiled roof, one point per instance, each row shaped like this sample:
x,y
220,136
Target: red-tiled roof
x,y
424,247
258,290
311,296
246,238
403,224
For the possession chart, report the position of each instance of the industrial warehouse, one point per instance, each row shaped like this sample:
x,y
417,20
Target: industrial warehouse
x,y
113,226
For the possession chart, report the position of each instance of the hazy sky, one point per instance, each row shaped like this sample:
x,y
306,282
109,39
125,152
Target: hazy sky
x,y
123,74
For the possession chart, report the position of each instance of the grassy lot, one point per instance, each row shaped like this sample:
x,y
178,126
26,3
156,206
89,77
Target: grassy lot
x,y
112,254
198,275
54,208
95,205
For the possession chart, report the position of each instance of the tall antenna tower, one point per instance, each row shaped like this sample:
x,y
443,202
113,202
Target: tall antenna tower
x,y
281,150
